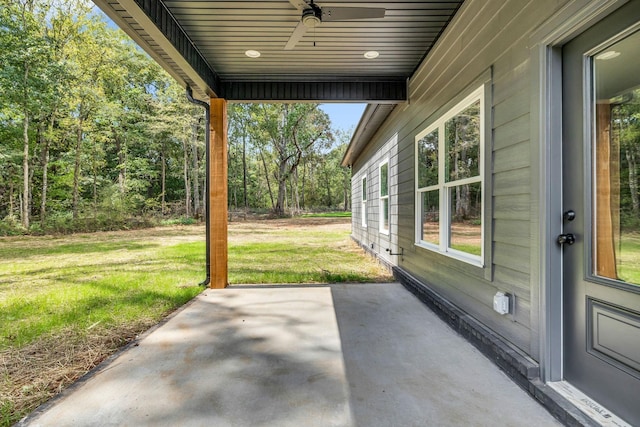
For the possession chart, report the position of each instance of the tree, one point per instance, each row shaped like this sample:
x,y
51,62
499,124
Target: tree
x,y
291,130
24,55
93,132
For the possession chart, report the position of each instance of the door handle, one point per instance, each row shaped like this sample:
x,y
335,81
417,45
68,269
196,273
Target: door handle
x,y
568,239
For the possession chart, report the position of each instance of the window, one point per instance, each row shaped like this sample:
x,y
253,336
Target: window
x,y
363,211
449,181
384,197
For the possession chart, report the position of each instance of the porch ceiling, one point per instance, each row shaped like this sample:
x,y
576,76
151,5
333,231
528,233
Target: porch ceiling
x,y
203,43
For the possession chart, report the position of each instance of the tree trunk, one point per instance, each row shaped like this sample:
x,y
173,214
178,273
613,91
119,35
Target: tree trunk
x,y
11,199
45,166
76,169
346,188
463,198
121,161
94,173
266,175
633,180
295,195
25,168
327,182
195,178
163,180
303,204
185,173
244,172
282,188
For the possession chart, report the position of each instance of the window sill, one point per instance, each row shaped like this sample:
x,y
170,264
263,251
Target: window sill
x,y
473,260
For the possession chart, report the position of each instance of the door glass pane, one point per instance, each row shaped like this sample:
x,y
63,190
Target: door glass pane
x,y
431,217
462,139
617,161
466,218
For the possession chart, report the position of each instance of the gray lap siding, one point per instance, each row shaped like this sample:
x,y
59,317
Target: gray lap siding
x,y
485,37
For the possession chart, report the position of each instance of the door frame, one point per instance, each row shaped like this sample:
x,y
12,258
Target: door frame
x,y
545,45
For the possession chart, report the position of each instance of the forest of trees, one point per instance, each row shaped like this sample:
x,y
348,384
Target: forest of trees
x,y
95,135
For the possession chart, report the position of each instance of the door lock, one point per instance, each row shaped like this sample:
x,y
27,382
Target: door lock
x,y
569,215
568,239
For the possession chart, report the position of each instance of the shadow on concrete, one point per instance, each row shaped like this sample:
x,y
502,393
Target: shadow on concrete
x,y
339,355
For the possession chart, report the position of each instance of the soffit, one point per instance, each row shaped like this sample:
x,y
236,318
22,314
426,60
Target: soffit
x,y
203,43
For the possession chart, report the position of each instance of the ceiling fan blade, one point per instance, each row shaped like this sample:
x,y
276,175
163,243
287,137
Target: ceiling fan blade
x,y
296,36
349,13
299,4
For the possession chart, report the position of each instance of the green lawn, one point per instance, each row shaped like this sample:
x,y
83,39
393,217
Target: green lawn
x,y
47,287
68,302
337,214
629,258
285,254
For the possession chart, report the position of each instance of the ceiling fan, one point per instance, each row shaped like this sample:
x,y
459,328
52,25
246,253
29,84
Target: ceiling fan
x,y
313,15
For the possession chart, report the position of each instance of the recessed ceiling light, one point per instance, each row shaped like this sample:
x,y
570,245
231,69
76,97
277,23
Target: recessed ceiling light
x,y
252,53
372,54
610,54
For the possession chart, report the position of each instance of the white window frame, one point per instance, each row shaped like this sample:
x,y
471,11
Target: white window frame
x,y
363,208
444,187
383,199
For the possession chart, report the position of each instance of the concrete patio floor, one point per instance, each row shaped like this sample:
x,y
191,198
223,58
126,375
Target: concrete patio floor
x,y
338,355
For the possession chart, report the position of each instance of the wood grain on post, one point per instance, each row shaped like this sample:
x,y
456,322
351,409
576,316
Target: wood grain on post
x,y
606,195
218,194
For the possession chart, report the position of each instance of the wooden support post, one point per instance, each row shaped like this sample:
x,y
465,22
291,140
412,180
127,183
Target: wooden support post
x,y
218,194
606,195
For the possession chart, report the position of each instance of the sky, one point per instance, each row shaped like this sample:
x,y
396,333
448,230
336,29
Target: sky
x,y
344,116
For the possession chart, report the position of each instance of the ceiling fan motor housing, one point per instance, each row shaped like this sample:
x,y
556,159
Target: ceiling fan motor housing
x,y
312,16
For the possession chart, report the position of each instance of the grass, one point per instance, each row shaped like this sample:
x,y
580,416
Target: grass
x,y
338,214
468,248
289,251
629,258
66,303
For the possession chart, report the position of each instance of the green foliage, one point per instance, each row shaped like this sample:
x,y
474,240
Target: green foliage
x,y
10,226
286,157
178,221
101,128
102,134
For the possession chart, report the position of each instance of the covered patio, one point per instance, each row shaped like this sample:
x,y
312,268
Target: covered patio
x,y
281,51
348,355
334,355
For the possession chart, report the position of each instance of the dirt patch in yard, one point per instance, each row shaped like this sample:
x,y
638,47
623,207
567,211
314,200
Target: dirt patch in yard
x,y
33,374
310,224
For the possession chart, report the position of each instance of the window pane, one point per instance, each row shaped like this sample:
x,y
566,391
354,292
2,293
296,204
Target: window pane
x,y
428,160
617,162
385,214
466,218
364,213
364,188
431,217
384,180
462,139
